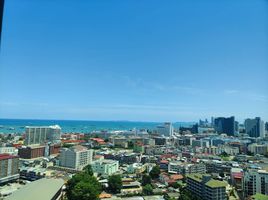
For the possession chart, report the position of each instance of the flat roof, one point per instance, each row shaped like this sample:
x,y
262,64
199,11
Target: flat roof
x,y
7,156
259,196
215,183
196,177
42,189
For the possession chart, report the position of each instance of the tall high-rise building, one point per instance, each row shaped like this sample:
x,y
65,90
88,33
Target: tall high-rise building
x,y
266,126
165,130
255,127
76,157
42,134
9,168
255,182
225,125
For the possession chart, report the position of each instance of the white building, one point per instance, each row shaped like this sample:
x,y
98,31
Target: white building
x,y
8,150
105,167
42,134
261,149
76,157
165,130
186,168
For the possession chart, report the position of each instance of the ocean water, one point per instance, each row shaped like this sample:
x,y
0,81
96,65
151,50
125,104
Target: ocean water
x,y
17,125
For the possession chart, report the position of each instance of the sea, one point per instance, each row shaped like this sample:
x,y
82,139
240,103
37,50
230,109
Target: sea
x,y
8,126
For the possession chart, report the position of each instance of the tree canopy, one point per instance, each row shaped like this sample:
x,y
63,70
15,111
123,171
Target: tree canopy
x,y
147,189
83,186
115,183
88,169
146,179
155,172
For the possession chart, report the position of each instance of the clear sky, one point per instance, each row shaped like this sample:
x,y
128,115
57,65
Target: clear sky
x,y
134,60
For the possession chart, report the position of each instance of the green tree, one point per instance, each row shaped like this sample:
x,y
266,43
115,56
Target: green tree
x,y
106,140
147,189
155,172
82,186
146,179
88,169
130,144
115,183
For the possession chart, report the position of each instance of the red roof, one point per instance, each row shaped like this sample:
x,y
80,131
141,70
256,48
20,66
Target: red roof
x,y
176,177
97,139
164,161
6,156
16,145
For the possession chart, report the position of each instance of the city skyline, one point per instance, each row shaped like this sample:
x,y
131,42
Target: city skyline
x,y
142,61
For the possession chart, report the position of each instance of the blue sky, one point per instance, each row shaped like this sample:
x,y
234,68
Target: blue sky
x,y
134,60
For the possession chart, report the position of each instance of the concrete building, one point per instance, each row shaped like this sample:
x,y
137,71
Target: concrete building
x,y
105,167
43,189
261,149
165,129
186,168
76,157
129,186
255,181
31,151
8,150
225,125
9,168
255,127
206,188
229,150
42,134
119,141
237,177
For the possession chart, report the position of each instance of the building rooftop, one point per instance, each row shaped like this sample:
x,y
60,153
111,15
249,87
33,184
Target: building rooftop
x,y
53,127
78,148
7,156
42,189
259,196
215,183
196,177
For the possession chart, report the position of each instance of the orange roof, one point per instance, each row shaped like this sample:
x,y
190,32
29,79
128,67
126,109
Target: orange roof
x,y
105,195
176,177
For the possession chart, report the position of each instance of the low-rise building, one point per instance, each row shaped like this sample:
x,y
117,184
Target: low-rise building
x,y
136,168
42,189
261,149
186,168
130,186
8,150
105,167
237,177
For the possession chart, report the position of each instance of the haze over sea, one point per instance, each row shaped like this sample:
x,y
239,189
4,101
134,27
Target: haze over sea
x,y
83,126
